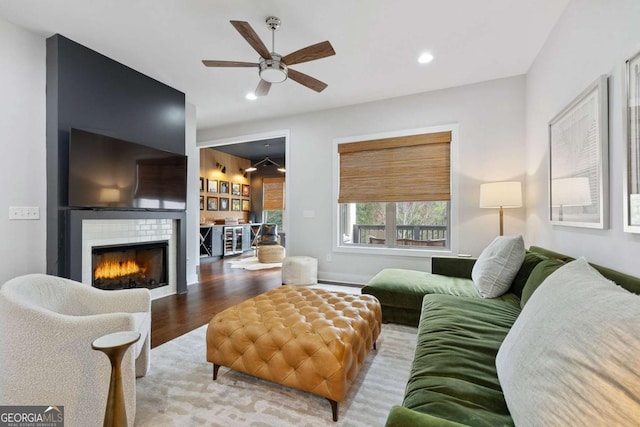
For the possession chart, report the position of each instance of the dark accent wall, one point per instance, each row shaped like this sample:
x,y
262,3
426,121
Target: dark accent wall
x,y
89,91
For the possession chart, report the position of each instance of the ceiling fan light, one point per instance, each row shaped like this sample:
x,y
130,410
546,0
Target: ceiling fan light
x,y
273,70
282,169
273,75
251,169
251,96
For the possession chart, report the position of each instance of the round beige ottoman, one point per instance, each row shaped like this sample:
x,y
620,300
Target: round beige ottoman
x,y
270,253
299,270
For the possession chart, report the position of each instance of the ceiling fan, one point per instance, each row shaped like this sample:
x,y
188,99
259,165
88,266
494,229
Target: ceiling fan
x,y
273,67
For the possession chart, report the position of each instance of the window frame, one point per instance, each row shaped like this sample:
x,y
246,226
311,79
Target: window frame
x,y
265,221
339,246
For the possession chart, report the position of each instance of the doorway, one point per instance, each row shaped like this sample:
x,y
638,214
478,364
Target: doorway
x,y
268,152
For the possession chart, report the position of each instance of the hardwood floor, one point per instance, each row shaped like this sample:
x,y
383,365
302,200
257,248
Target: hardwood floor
x,y
220,287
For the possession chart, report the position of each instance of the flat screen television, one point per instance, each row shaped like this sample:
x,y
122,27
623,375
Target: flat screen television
x,y
110,173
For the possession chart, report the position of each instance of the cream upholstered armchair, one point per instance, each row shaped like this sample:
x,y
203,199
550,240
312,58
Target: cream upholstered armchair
x,y
47,325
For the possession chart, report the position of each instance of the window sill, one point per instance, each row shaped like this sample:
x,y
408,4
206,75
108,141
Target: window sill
x,y
421,253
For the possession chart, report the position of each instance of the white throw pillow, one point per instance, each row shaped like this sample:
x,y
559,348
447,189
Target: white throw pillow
x,y
572,356
498,265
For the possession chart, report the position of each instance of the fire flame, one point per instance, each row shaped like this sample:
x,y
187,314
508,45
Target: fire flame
x,y
113,269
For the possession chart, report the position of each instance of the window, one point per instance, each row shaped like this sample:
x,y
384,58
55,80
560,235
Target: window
x,y
274,217
273,201
418,224
395,192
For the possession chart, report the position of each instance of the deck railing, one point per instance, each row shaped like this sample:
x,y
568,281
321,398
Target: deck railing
x,y
405,234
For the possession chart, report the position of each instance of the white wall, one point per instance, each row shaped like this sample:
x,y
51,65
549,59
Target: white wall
x,y
193,201
593,37
22,138
23,159
490,117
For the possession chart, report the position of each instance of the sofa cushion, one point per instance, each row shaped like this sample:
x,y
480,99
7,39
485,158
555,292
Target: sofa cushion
x,y
537,276
628,282
400,292
402,288
399,416
452,266
571,358
453,375
498,265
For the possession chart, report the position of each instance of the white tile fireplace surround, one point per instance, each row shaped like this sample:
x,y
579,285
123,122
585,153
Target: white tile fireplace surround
x,y
102,232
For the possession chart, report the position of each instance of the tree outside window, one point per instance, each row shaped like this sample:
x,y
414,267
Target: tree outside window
x,y
416,224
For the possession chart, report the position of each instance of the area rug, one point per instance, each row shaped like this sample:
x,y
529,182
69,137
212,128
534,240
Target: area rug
x,y
179,390
252,264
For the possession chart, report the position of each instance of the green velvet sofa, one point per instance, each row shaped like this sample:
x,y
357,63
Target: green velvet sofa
x,y
453,380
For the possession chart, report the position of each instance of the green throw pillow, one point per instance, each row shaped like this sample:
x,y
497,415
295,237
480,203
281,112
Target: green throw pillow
x,y
539,273
531,259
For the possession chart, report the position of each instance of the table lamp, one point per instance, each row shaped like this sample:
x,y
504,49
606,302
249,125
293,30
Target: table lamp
x,y
507,194
109,196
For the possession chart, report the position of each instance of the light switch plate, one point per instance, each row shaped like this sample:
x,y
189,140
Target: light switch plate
x,y
24,212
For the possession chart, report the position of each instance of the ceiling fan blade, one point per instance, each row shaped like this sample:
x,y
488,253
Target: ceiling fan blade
x,y
306,80
310,53
213,63
263,88
252,38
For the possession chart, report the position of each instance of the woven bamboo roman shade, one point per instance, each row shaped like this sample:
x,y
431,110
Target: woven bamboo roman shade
x,y
412,168
273,194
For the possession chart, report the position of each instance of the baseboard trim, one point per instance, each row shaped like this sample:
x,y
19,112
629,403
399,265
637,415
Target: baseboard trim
x,y
343,278
336,283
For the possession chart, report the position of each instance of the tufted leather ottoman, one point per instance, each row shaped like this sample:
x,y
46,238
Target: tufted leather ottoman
x,y
305,338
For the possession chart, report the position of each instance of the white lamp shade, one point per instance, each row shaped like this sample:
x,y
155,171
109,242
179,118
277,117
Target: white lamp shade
x,y
507,194
109,195
571,191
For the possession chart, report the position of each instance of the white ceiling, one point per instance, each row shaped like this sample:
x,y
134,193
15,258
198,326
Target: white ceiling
x,y
376,43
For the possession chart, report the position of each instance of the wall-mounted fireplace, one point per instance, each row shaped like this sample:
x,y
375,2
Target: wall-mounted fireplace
x,y
131,265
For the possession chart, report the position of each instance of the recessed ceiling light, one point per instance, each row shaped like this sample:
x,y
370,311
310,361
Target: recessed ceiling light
x,y
251,96
425,58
